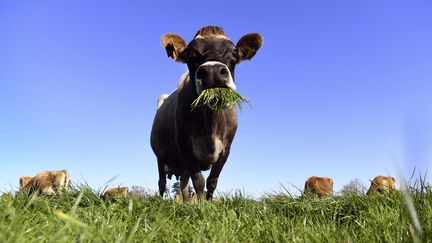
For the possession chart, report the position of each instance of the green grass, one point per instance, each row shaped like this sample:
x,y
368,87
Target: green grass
x,y
219,98
82,216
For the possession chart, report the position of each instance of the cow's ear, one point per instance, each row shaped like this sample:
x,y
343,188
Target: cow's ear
x,y
175,47
248,46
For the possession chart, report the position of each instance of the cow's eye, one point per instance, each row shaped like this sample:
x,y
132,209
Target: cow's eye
x,y
194,55
232,62
236,57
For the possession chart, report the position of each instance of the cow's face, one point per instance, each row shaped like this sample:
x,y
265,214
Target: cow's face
x,y
211,57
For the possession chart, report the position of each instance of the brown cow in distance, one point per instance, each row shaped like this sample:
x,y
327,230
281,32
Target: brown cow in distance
x,y
193,199
48,182
320,186
187,142
381,185
117,192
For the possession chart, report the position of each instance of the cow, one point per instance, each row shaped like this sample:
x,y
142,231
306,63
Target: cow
x,y
187,142
320,186
48,182
192,200
24,180
116,192
381,185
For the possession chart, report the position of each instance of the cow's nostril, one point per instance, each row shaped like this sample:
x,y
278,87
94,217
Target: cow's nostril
x,y
223,72
201,73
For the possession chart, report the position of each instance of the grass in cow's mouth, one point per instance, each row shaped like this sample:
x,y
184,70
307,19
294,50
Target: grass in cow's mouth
x,y
219,98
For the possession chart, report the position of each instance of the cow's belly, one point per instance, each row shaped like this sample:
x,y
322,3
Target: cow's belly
x,y
207,150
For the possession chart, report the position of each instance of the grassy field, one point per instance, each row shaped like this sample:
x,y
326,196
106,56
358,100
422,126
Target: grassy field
x,y
82,216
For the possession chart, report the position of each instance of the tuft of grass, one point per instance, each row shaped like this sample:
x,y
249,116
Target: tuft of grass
x,y
219,98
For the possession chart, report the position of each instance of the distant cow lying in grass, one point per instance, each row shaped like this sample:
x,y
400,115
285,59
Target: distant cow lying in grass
x,y
47,182
192,199
320,186
115,193
187,141
381,185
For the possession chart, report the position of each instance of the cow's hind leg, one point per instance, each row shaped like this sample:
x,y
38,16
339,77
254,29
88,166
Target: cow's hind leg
x,y
184,186
162,179
198,183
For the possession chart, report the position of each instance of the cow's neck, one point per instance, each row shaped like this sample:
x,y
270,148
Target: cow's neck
x,y
211,120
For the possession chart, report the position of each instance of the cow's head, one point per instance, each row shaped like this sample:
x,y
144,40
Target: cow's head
x,y
211,57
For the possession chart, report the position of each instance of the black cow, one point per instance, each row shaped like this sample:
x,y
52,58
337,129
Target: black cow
x,y
187,141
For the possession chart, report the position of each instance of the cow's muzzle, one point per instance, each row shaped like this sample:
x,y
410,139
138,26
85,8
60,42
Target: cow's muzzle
x,y
213,74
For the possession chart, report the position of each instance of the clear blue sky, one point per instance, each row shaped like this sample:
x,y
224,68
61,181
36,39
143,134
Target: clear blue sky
x,y
339,88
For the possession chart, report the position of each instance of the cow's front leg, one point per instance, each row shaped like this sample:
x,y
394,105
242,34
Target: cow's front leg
x,y
184,186
198,183
213,177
